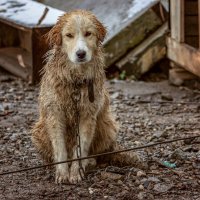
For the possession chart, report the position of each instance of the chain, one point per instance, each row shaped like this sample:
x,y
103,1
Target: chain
x,y
76,98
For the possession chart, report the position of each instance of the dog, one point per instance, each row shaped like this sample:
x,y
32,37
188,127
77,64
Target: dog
x,y
75,58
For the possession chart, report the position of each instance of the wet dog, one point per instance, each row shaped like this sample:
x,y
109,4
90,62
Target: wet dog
x,y
75,58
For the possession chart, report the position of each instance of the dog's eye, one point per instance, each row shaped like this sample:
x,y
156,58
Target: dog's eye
x,y
87,34
69,35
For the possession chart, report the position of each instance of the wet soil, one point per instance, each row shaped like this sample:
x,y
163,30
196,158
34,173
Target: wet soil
x,y
140,123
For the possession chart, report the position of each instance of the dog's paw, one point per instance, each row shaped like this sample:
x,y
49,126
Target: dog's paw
x,y
61,179
62,176
75,178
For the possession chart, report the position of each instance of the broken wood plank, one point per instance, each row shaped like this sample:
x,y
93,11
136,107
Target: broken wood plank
x,y
144,56
184,55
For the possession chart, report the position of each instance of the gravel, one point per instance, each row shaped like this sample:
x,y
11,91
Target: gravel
x,y
140,123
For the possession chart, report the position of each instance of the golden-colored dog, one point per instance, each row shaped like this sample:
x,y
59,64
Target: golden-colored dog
x,y
75,55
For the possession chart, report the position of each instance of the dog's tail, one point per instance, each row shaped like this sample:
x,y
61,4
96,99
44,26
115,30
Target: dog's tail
x,y
128,158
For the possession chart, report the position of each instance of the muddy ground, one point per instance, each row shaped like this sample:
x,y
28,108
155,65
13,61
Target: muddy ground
x,y
140,123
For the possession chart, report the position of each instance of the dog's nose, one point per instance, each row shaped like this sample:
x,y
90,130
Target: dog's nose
x,y
81,54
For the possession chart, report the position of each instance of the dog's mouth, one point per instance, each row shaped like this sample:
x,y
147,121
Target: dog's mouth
x,y
81,60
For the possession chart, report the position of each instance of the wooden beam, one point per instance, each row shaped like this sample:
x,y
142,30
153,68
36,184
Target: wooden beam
x,y
145,55
177,19
184,55
132,35
199,20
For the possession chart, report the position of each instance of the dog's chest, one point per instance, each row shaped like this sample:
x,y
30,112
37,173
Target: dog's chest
x,y
90,98
85,105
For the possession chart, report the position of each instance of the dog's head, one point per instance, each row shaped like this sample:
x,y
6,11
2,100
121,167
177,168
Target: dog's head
x,y
79,34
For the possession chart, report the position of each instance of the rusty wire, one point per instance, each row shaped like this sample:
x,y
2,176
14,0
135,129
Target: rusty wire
x,y
98,155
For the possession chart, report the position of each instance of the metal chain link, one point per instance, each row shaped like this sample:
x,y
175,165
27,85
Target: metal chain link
x,y
76,98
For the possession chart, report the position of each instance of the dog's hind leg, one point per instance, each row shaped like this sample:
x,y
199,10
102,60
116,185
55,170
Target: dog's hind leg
x,y
41,140
105,133
105,141
124,159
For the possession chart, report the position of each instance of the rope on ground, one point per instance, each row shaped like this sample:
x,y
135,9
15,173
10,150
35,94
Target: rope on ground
x,y
98,155
162,102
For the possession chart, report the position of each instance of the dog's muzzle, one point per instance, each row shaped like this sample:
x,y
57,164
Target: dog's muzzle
x,y
81,55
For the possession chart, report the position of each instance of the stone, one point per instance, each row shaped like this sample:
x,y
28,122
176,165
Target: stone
x,y
141,187
178,154
108,175
166,97
145,195
141,174
161,187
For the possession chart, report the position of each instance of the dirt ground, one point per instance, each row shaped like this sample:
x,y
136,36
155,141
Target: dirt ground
x,y
140,123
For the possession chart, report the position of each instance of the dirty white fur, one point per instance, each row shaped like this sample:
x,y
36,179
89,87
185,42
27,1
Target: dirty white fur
x,y
53,134
75,39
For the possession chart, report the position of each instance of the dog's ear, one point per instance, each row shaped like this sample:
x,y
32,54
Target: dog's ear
x,y
53,37
101,30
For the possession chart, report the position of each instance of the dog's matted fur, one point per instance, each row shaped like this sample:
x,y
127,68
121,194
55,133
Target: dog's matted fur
x,y
76,54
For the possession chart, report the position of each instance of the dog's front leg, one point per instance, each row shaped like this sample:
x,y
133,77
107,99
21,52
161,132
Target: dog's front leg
x,y
57,128
87,129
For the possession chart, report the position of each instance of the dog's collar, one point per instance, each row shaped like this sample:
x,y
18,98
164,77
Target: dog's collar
x,y
90,85
81,83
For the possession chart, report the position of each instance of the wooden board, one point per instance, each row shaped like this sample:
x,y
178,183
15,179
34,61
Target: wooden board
x,y
184,55
178,75
177,19
191,7
39,49
144,56
8,36
128,22
131,36
25,14
199,20
191,26
17,61
192,41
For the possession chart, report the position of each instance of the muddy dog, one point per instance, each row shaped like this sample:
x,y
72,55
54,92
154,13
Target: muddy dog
x,y
76,58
